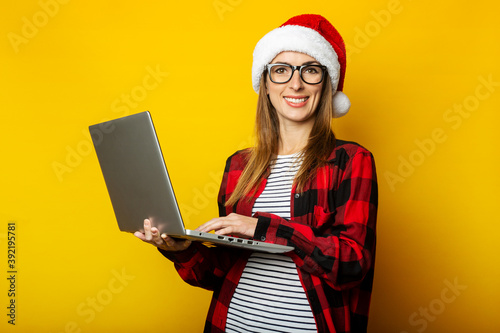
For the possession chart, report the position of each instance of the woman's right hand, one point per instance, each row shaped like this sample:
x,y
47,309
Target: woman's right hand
x,y
152,236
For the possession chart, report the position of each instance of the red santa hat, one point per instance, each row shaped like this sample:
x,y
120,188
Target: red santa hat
x,y
314,36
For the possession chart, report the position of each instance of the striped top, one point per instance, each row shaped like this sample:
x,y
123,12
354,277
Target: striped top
x,y
269,296
276,195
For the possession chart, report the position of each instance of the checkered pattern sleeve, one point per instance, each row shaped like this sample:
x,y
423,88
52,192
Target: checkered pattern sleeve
x,y
333,223
203,266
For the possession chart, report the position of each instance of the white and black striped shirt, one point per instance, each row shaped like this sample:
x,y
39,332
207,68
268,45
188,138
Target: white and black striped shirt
x,y
269,296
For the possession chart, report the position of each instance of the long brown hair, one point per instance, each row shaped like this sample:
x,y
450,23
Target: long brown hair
x,y
319,145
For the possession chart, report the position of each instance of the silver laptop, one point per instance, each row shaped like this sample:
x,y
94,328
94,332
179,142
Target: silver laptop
x,y
139,185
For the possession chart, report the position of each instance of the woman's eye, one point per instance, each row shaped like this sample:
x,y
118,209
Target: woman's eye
x,y
280,70
311,70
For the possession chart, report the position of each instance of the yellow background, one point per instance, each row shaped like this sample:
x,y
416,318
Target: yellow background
x,y
66,65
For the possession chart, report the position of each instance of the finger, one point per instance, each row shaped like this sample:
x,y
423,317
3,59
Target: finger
x,y
204,226
226,231
157,239
139,235
156,236
213,224
147,230
168,240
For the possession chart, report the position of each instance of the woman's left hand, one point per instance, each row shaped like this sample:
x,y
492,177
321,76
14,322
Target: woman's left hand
x,y
233,224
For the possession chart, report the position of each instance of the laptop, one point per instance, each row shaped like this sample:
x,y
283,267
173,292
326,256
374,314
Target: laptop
x,y
139,185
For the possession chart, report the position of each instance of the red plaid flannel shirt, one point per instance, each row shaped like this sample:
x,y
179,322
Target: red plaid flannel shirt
x,y
332,228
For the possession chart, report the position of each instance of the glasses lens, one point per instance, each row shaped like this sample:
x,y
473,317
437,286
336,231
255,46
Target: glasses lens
x,y
312,74
280,73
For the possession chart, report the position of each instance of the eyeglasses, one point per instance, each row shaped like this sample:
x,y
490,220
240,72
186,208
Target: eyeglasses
x,y
282,73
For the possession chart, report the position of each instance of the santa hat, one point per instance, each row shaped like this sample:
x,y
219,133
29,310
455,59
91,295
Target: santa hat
x,y
314,36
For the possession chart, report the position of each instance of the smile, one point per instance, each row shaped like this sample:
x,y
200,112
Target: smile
x,y
296,100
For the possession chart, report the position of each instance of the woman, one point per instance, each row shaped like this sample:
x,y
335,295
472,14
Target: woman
x,y
298,186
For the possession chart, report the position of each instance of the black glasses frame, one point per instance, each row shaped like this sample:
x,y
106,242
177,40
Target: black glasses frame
x,y
295,68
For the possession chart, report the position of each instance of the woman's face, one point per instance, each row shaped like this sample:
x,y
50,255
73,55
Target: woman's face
x,y
294,101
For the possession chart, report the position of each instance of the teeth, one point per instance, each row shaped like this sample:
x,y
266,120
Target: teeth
x,y
296,100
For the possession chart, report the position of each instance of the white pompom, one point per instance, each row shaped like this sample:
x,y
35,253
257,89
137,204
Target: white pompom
x,y
341,104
